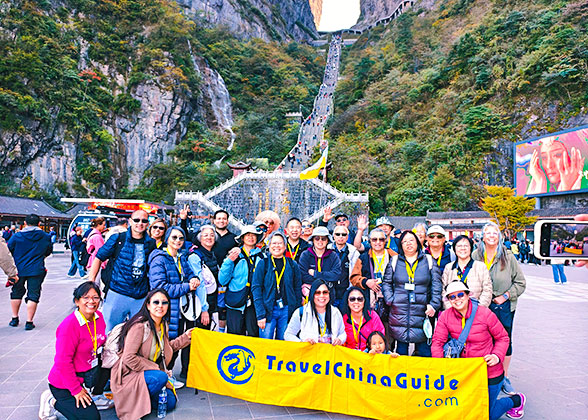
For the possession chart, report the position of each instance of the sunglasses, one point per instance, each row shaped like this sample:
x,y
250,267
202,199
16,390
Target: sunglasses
x,y
269,222
262,229
378,240
321,238
342,219
454,296
140,220
160,302
340,234
177,238
157,227
436,236
321,292
356,299
306,226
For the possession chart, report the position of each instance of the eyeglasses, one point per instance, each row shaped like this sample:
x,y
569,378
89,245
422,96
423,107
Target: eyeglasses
x,y
377,239
92,298
321,238
340,234
466,245
341,219
177,238
356,299
158,227
140,220
321,292
454,296
436,236
160,302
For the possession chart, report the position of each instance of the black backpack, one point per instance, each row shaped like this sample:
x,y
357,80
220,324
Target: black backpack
x,y
84,256
106,273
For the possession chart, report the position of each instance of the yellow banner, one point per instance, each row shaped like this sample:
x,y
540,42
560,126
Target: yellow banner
x,y
337,379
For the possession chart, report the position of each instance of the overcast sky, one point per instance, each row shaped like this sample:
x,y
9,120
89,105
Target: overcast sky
x,y
339,14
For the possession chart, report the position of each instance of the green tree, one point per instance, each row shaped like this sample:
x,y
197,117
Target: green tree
x,y
509,211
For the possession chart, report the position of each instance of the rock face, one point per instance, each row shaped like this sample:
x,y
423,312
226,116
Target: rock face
x,y
374,10
270,20
316,7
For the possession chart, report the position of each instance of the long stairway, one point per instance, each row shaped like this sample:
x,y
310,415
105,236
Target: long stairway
x,y
312,128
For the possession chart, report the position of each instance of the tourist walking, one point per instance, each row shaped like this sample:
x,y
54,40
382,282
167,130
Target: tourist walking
x,y
557,267
76,244
7,264
95,240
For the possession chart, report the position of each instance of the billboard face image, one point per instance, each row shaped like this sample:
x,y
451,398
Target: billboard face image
x,y
553,164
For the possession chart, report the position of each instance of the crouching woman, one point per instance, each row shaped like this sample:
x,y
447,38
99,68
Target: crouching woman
x,y
139,375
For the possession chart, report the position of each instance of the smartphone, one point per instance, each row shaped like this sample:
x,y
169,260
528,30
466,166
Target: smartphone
x,y
561,239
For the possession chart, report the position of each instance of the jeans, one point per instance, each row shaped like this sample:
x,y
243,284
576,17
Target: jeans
x,y
75,265
65,403
155,380
422,349
118,307
276,325
498,406
506,318
558,273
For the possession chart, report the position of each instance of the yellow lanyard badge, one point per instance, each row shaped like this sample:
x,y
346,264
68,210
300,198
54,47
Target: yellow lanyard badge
x,y
279,276
296,248
410,270
318,264
93,337
356,333
249,259
379,264
157,341
176,260
488,264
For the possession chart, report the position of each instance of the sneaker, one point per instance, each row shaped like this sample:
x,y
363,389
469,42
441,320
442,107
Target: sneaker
x,y
507,387
177,384
71,276
47,406
13,322
102,402
29,325
517,412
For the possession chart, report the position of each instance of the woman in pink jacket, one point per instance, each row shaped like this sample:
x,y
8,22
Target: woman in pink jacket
x,y
358,319
95,239
487,338
80,338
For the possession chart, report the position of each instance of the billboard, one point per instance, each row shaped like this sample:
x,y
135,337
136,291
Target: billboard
x,y
553,164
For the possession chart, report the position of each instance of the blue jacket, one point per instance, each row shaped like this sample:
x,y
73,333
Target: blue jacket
x,y
29,247
330,266
76,243
122,271
163,273
195,262
446,257
264,288
236,276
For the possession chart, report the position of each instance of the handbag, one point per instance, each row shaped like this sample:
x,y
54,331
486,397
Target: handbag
x,y
453,348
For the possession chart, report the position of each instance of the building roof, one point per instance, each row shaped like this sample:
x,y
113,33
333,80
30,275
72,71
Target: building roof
x,y
17,206
402,222
76,209
479,214
239,165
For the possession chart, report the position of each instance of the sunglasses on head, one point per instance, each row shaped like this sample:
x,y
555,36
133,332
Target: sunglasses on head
x,y
157,227
356,299
378,240
436,236
140,220
454,296
160,302
321,292
177,238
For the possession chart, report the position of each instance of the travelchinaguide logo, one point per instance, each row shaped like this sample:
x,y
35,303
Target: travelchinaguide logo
x,y
235,364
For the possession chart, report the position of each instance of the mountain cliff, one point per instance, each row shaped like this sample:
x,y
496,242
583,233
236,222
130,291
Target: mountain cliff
x,y
316,7
270,20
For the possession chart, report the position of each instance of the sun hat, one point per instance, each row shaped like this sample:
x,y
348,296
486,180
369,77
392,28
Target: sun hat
x,y
384,220
320,231
436,229
250,229
456,286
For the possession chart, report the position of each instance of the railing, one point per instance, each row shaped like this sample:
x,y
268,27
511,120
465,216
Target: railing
x,y
397,12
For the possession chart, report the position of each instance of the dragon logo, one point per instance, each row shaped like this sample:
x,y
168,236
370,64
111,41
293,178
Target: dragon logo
x,y
235,364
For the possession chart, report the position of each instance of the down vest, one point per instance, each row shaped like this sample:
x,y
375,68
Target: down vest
x,y
406,319
163,273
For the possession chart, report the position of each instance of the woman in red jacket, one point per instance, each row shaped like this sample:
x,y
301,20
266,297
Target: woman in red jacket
x,y
487,339
359,321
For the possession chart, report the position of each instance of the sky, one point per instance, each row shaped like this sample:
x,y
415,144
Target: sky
x,y
339,14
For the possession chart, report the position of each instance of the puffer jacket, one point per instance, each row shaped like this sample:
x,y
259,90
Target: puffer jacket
x,y
487,336
406,319
374,324
330,267
122,271
477,280
163,273
237,274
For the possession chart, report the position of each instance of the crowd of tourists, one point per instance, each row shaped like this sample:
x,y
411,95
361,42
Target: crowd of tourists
x,y
385,291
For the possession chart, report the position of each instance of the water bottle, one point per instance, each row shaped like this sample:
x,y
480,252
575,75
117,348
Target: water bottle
x,y
162,404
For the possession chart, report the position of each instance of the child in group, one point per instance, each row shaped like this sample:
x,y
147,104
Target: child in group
x,y
376,344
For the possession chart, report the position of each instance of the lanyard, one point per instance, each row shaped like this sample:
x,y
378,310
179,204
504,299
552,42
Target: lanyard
x,y
410,270
249,259
379,263
157,341
462,275
293,254
323,328
176,260
488,264
439,259
318,264
356,334
93,337
279,276
389,242
462,322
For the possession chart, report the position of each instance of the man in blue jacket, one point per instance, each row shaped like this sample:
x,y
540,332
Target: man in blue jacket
x,y
29,247
128,284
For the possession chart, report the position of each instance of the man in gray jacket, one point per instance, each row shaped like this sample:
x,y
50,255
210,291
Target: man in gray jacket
x,y
7,263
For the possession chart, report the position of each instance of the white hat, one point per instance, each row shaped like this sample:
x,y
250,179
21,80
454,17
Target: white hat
x,y
436,229
250,229
456,286
321,231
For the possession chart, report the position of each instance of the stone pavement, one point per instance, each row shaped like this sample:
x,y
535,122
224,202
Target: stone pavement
x,y
549,362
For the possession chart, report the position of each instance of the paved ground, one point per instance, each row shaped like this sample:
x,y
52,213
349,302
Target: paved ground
x,y
549,365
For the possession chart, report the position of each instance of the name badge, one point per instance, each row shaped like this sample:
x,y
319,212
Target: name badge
x,y
280,303
409,286
249,303
412,297
94,362
378,275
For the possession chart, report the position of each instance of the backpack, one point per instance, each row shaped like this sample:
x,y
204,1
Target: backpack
x,y
84,256
106,273
110,351
237,299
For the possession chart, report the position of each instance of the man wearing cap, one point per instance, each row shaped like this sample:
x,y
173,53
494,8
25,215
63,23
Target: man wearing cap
x,y
383,223
341,219
438,248
236,274
295,245
318,262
